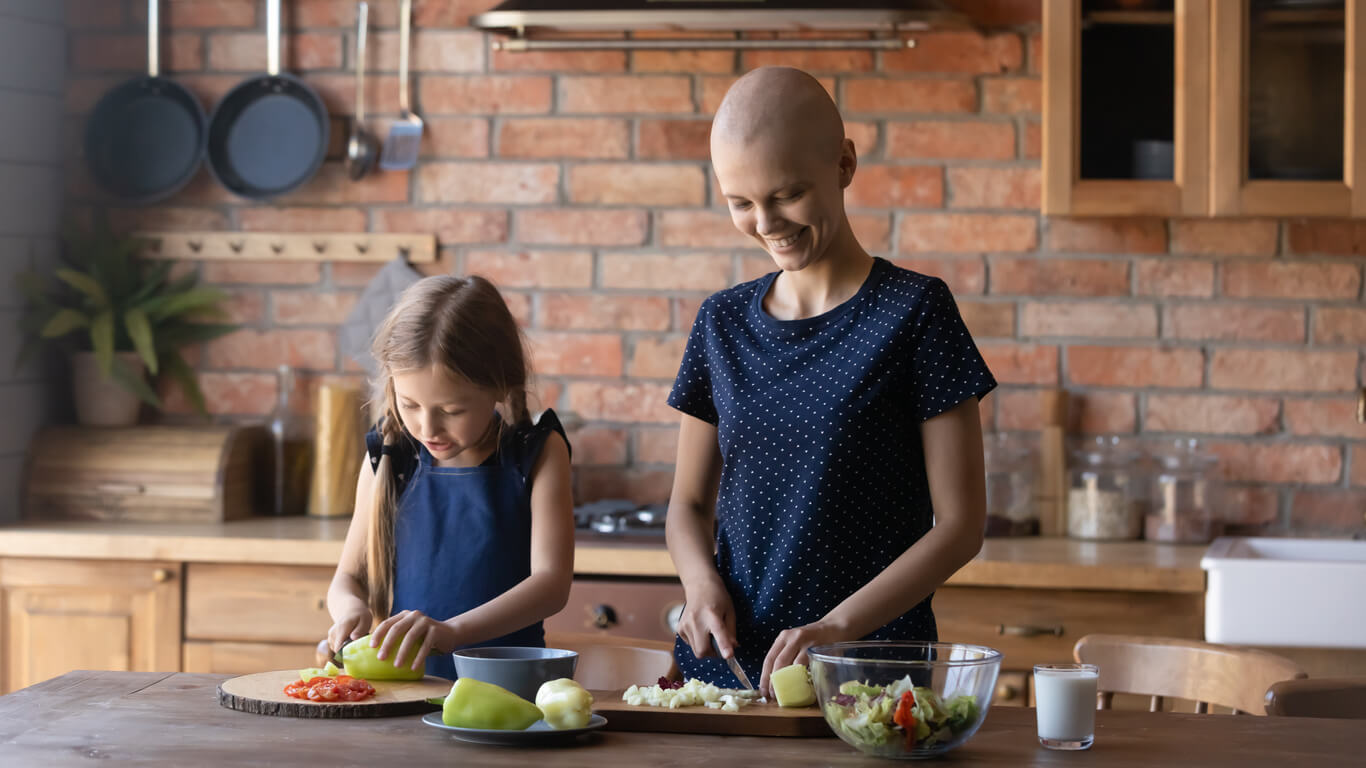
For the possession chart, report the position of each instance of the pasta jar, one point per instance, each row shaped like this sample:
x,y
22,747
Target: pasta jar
x,y
1184,494
1104,496
1011,473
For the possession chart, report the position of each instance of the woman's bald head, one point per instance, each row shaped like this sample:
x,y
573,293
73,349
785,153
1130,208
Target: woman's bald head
x,y
780,106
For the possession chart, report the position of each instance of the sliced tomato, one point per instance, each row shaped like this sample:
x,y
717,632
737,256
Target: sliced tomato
x,y
297,689
904,717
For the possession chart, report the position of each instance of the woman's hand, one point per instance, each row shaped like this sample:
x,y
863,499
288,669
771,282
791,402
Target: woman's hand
x,y
707,613
790,647
411,632
349,626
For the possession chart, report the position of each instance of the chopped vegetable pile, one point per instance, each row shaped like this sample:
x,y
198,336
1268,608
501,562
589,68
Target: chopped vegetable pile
x,y
694,692
327,689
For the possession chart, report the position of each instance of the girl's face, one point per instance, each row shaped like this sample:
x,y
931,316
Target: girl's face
x,y
446,413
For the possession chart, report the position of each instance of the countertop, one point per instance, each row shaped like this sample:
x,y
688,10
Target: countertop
x,y
159,719
1015,562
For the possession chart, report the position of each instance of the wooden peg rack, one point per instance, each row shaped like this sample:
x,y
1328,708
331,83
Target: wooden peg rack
x,y
289,246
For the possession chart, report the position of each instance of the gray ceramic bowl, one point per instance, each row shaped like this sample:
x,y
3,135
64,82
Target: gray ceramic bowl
x,y
520,670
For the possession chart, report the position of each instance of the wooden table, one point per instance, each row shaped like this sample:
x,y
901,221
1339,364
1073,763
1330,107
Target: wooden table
x,y
154,719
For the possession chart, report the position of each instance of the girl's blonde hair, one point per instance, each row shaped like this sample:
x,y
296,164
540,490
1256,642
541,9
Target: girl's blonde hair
x,y
463,325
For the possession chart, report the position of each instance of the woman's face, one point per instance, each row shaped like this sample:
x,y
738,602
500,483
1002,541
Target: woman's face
x,y
446,413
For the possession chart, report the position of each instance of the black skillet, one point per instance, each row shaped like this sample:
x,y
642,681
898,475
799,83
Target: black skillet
x,y
269,134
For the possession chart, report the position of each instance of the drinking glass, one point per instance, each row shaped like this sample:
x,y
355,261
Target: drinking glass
x,y
1065,703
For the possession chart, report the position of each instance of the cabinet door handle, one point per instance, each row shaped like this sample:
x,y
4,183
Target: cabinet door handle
x,y
116,488
1007,692
1028,630
602,616
321,604
161,575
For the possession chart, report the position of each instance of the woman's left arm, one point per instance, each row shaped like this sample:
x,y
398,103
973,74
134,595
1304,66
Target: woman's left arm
x,y
953,462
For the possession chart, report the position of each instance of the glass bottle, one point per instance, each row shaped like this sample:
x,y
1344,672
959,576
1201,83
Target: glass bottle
x,y
1011,474
1104,498
292,459
1184,495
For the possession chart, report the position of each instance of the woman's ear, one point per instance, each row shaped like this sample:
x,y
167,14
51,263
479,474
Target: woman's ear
x,y
848,162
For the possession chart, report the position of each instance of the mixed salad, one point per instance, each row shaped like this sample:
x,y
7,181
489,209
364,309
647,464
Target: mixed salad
x,y
898,716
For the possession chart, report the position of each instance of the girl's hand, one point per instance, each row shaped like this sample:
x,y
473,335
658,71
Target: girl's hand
x,y
706,614
349,626
790,648
411,632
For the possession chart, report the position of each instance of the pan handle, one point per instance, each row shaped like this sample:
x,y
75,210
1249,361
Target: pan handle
x,y
404,31
273,37
362,21
153,38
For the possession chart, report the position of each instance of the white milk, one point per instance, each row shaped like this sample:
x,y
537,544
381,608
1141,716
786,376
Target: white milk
x,y
1065,699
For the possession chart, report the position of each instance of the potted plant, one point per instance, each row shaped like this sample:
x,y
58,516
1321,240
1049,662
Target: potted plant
x,y
120,318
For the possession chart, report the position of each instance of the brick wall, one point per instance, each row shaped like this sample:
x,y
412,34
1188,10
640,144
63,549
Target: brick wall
x,y
579,183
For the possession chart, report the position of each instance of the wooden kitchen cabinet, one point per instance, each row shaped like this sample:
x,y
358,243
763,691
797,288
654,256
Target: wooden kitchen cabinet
x,y
61,615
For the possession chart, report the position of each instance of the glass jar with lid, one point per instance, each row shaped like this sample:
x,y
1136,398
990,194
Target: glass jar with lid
x,y
1011,472
1184,492
1104,497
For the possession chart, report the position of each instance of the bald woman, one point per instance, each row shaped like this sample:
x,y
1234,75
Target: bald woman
x,y
829,473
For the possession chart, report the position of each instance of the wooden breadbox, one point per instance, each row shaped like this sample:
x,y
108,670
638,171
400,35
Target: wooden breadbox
x,y
148,473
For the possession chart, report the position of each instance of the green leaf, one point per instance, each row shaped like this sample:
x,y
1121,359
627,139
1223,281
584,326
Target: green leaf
x,y
85,284
63,322
102,340
188,333
188,301
140,331
185,377
151,281
135,383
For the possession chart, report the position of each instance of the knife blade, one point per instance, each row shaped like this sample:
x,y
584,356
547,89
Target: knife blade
x,y
739,673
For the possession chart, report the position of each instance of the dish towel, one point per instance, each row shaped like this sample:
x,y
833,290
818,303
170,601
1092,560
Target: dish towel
x,y
358,330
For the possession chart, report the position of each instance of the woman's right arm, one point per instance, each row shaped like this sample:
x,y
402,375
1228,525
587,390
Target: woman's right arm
x,y
689,529
346,597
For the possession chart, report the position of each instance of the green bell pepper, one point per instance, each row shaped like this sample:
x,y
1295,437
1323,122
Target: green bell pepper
x,y
360,660
477,704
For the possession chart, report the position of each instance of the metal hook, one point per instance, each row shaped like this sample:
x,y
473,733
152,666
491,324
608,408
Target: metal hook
x,y
237,245
277,247
195,245
319,246
362,247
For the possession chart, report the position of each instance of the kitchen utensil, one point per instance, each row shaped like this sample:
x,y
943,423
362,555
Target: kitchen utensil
x,y
405,135
1052,488
539,733
520,670
338,449
375,301
269,134
360,148
145,139
761,718
739,672
264,694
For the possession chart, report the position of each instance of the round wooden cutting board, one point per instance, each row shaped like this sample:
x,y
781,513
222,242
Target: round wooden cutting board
x,y
264,694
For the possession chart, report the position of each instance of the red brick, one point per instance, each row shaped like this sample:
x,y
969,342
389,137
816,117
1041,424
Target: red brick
x,y
474,94
674,140
581,227
338,93
179,14
963,274
666,271
1330,237
714,89
985,319
635,94
637,184
685,62
533,269
896,186
685,312
331,186
545,394
1225,237
1339,325
1234,322
450,225
1134,366
105,53
864,135
994,187
600,313
698,229
1107,236
754,266
1089,318
82,14
872,230
267,273
1212,414
1018,409
599,445
306,349
1021,363
564,137
453,137
576,354
999,13
1012,95
354,274
1328,511
243,307
433,50
445,13
1359,464
1295,280
1247,505
246,51
1270,370
1035,55
558,61
656,358
967,233
833,61
915,96
310,308
166,218
967,51
951,140
1098,413
1324,417
1279,462
1059,277
276,219
475,182
641,486
1033,140
1174,277
225,394
82,93
656,446
610,401
519,304
333,13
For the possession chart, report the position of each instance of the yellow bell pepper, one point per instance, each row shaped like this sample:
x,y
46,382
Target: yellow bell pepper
x,y
477,704
360,660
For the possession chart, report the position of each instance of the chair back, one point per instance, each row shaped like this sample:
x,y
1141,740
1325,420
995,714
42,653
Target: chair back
x,y
1340,697
610,663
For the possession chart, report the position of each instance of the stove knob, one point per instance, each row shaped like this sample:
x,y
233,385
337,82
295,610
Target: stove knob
x,y
603,616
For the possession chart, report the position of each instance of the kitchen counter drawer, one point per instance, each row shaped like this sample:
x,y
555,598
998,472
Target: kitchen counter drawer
x,y
257,603
620,608
1037,626
230,658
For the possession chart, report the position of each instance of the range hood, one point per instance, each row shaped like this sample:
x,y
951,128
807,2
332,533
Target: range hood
x,y
553,23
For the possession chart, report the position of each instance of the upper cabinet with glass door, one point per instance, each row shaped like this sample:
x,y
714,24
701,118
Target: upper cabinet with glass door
x,y
1288,117
1126,109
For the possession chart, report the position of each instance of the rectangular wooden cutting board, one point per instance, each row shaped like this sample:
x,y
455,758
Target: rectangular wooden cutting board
x,y
757,719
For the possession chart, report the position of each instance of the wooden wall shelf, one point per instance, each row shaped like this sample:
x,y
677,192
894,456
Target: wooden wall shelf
x,y
291,246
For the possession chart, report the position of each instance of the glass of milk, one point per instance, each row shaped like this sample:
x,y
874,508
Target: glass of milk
x,y
1065,701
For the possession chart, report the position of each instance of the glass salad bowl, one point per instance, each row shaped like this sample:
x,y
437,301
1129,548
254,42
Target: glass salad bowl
x,y
904,700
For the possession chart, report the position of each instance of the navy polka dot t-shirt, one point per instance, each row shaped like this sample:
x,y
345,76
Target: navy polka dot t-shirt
x,y
823,480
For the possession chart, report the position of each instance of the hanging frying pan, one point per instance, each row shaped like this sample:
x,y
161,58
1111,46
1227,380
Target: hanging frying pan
x,y
145,139
269,134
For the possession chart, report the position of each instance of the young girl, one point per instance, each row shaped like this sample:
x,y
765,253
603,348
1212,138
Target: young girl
x,y
830,434
463,533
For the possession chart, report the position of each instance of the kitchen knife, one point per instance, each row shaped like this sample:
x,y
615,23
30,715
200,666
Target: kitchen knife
x,y
739,673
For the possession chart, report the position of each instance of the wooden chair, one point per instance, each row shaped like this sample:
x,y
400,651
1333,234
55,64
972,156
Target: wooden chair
x,y
1340,697
610,663
1162,668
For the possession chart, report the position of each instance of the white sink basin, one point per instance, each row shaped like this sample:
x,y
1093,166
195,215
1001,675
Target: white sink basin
x,y
1294,593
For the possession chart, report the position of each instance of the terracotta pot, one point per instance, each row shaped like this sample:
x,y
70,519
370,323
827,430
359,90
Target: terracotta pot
x,y
101,401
